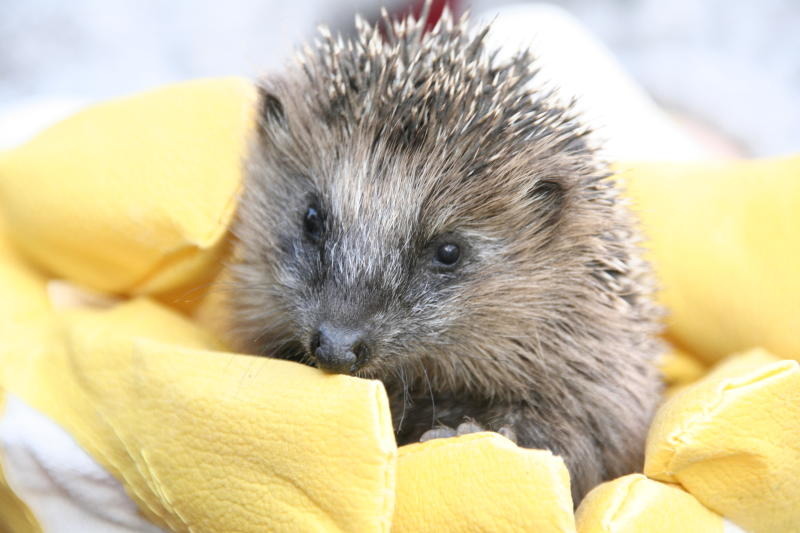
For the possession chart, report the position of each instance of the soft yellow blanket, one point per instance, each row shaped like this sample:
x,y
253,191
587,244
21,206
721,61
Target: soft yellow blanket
x,y
133,199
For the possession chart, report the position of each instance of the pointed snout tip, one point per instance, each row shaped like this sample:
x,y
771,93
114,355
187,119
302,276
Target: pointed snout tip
x,y
338,349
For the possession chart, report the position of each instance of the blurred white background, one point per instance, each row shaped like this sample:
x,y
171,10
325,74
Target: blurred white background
x,y
732,66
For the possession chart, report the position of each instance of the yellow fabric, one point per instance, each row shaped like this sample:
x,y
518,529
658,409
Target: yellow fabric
x,y
733,440
135,197
481,482
635,504
132,196
725,242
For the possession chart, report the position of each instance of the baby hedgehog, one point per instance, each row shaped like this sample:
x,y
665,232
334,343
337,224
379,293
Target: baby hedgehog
x,y
418,212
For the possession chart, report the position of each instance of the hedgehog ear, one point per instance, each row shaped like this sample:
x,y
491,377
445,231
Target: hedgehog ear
x,y
271,113
548,195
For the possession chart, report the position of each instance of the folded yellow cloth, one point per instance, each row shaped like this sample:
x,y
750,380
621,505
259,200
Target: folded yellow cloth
x,y
481,482
725,242
733,440
134,198
635,504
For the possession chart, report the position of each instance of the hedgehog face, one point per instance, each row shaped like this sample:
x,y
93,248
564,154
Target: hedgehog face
x,y
378,260
355,266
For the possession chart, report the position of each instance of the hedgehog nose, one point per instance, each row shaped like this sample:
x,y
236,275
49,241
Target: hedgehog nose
x,y
338,349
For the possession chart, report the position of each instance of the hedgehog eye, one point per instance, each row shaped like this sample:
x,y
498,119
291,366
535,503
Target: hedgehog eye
x,y
448,254
313,224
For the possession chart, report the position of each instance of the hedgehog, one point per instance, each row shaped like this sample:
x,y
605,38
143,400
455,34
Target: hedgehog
x,y
419,212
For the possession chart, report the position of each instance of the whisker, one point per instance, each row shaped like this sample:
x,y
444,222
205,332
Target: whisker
x,y
433,401
401,375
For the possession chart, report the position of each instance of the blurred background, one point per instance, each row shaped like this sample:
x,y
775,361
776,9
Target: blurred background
x,y
728,68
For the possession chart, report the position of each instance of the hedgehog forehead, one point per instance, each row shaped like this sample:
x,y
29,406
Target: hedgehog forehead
x,y
406,206
382,198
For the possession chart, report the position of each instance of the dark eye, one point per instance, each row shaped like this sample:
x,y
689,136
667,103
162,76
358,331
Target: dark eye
x,y
312,224
448,254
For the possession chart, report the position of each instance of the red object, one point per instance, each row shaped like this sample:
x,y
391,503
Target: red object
x,y
437,6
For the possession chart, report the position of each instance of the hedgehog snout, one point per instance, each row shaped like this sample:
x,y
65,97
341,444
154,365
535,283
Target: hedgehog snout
x,y
339,349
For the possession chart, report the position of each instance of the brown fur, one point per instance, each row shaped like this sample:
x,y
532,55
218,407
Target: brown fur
x,y
405,141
